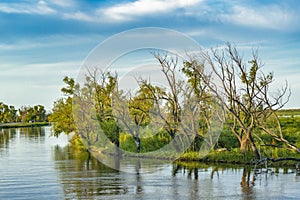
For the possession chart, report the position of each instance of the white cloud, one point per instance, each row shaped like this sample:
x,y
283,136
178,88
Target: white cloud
x,y
63,3
197,32
36,70
271,17
41,8
50,41
31,84
80,16
127,11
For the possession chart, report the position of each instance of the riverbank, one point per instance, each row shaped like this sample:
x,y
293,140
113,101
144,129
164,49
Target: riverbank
x,y
235,157
229,157
222,156
20,125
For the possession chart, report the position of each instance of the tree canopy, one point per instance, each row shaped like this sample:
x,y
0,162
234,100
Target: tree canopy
x,y
217,85
9,113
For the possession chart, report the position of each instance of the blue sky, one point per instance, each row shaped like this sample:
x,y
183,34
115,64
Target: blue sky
x,y
42,41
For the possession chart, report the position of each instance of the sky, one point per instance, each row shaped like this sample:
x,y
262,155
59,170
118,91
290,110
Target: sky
x,y
41,41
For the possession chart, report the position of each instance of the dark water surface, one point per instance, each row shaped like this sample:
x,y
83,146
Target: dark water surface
x,y
34,165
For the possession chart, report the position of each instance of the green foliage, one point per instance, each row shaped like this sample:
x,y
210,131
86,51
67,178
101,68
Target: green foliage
x,y
99,95
62,111
62,117
33,114
251,117
71,87
111,130
233,156
194,71
76,143
9,114
290,127
271,152
288,112
148,144
140,105
102,91
22,124
127,142
227,139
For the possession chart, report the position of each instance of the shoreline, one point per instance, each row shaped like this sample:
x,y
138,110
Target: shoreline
x,y
213,158
24,124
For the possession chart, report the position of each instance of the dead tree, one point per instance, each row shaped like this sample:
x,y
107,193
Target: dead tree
x,y
244,90
171,103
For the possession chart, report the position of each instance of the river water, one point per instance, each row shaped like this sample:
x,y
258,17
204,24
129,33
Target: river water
x,y
34,165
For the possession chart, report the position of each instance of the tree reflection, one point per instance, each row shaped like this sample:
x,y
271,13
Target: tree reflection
x,y
33,133
84,177
247,184
139,188
192,169
5,136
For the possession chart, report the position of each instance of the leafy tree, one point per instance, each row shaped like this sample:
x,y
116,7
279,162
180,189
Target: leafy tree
x,y
103,85
36,113
7,113
62,115
133,113
93,110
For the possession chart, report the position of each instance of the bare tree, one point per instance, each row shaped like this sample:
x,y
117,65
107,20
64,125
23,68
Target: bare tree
x,y
209,107
177,106
244,91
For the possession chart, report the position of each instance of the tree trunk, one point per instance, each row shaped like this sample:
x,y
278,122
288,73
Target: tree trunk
x,y
137,141
117,149
253,147
246,142
174,140
196,143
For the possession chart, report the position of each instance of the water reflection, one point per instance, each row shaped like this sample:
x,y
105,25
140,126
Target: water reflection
x,y
8,135
5,136
194,170
84,177
36,164
247,183
33,133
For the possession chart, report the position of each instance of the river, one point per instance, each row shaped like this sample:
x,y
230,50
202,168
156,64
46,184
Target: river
x,y
34,165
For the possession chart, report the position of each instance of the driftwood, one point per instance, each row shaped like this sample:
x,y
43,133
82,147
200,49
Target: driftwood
x,y
264,162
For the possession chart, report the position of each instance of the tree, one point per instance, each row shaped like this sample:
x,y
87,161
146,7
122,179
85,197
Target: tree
x,y
93,110
7,113
194,71
133,113
176,107
62,114
36,113
103,85
61,117
244,91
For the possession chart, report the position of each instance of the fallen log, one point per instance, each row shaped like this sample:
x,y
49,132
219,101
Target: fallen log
x,y
264,162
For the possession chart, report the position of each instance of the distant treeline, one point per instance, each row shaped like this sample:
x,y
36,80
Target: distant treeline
x,y
9,114
288,112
